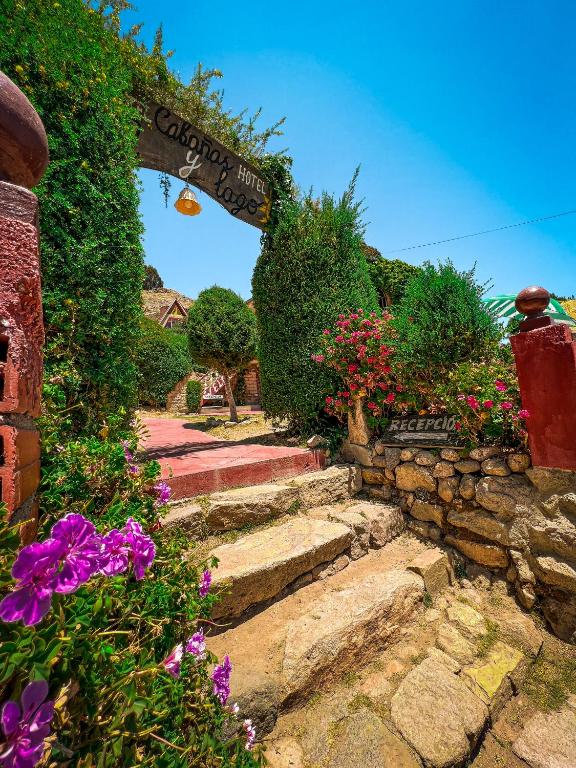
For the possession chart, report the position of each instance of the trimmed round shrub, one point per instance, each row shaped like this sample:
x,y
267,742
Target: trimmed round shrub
x,y
163,360
441,321
310,270
194,392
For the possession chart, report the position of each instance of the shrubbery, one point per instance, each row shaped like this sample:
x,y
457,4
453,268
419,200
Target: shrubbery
x,y
194,391
390,276
163,360
311,268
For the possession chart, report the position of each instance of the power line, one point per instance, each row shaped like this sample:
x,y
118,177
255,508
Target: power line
x,y
483,232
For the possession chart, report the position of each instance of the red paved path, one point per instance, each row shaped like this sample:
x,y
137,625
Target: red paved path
x,y
196,463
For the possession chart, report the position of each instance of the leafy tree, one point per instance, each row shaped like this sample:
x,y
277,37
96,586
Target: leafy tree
x,y
441,321
311,269
222,335
152,279
163,360
390,276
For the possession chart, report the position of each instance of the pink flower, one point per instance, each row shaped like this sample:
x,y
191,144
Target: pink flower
x,y
523,413
458,426
329,400
339,338
353,387
487,404
390,397
352,368
326,332
372,406
461,396
500,386
506,405
172,662
318,358
204,586
472,402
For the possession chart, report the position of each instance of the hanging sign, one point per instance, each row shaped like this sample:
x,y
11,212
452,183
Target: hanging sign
x,y
426,431
170,144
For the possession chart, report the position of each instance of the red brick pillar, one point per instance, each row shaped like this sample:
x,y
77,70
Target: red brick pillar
x,y
23,159
545,356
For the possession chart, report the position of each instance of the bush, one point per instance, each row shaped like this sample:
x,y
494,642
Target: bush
x,y
163,360
194,392
390,276
222,335
311,269
441,321
152,279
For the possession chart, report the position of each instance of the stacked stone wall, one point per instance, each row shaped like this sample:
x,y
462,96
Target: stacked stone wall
x,y
492,508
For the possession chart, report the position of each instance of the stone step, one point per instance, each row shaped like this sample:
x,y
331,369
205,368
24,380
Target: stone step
x,y
300,644
256,504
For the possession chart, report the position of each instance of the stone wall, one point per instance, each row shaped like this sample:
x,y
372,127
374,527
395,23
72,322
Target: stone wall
x,y
494,509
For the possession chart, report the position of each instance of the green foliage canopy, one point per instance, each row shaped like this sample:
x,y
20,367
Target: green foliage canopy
x,y
163,360
193,395
311,268
390,276
221,330
152,279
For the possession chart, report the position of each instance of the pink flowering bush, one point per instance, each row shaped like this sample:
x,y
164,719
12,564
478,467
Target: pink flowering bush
x,y
102,627
358,349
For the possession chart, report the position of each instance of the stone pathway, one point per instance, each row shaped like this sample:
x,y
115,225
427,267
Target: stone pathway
x,y
196,463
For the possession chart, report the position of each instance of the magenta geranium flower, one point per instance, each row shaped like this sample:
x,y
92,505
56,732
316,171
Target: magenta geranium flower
x,y
204,586
163,492
221,680
500,386
142,549
114,555
196,645
250,732
36,571
26,726
523,413
80,551
172,662
506,405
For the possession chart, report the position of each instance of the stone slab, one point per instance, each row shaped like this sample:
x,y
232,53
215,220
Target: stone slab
x,y
336,483
255,504
549,740
433,566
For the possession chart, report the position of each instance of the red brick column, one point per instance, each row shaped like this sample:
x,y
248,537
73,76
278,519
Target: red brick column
x,y
23,158
545,356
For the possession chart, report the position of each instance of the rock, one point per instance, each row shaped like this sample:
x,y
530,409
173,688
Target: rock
x,y
544,529
379,447
373,476
362,739
390,475
423,510
448,488
185,516
340,625
329,569
518,462
407,454
561,615
377,686
549,740
437,714
452,642
503,494
315,441
285,753
386,521
425,530
392,457
360,453
489,555
380,494
511,573
327,486
444,658
443,469
555,572
425,458
526,594
549,481
467,487
361,528
467,620
484,452
411,477
258,566
481,523
255,504
450,454
379,461
524,572
497,467
433,566
491,677
467,466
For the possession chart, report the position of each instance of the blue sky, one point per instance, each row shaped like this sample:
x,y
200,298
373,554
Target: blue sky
x,y
461,114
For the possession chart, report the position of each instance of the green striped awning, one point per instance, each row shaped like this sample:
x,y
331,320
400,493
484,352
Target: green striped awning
x,y
503,306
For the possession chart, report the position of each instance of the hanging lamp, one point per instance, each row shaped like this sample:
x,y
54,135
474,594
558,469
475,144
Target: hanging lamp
x,y
187,203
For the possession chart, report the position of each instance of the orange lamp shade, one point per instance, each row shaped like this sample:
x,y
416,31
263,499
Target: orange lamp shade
x,y
187,203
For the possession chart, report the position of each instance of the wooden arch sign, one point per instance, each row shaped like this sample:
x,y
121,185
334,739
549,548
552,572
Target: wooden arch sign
x,y
170,144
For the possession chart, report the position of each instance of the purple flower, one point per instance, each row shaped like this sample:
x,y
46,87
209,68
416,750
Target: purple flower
x,y
172,662
250,733
114,553
36,570
25,726
128,455
221,680
196,645
204,586
163,492
80,551
142,549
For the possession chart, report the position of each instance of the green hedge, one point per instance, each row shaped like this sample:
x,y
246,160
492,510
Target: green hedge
x,y
163,360
194,392
311,268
